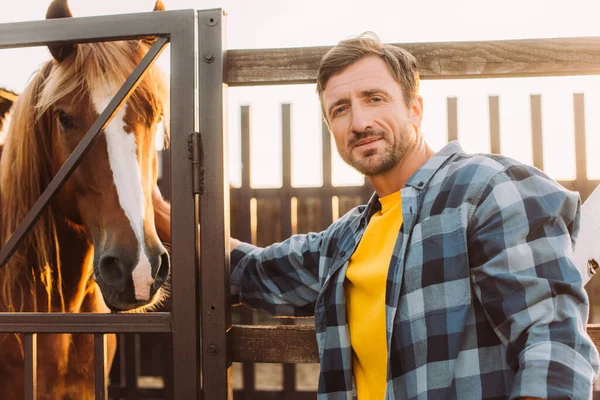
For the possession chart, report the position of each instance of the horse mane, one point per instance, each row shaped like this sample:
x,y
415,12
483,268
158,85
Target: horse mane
x,y
25,166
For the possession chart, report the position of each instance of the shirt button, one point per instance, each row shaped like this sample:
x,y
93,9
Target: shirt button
x,y
342,253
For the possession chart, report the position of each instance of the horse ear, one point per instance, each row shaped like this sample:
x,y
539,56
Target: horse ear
x,y
60,9
158,6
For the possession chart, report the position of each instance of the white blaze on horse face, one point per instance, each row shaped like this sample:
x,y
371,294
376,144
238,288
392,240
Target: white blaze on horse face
x,y
122,156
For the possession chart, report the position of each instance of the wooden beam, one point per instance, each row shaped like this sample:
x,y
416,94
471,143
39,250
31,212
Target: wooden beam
x,y
295,343
274,344
441,60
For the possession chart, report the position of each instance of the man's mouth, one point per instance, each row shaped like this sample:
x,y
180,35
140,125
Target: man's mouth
x,y
366,141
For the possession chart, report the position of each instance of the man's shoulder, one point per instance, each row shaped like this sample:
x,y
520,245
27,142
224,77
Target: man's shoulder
x,y
484,168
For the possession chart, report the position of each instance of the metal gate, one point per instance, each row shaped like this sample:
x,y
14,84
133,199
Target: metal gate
x,y
196,45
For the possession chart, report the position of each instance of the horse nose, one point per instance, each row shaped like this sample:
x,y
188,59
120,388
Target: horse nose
x,y
113,272
162,272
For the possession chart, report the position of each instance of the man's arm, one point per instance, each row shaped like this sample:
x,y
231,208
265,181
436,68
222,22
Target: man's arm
x,y
281,279
522,269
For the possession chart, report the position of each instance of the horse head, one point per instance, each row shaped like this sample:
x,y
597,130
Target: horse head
x,y
108,198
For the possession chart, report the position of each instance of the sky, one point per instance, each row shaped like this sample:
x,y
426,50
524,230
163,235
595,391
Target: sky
x,y
283,23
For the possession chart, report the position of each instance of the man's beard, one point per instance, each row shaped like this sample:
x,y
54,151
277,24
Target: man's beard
x,y
375,162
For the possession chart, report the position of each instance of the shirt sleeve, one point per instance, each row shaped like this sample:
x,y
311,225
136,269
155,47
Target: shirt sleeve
x,y
521,238
281,279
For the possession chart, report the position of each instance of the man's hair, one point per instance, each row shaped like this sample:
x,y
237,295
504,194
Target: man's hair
x,y
403,65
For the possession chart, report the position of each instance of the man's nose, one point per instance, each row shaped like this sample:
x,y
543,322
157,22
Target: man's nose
x,y
361,119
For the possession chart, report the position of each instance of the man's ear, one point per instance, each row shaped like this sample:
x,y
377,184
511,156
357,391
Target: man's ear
x,y
416,112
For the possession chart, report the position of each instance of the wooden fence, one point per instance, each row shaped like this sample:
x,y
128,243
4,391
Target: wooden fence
x,y
263,216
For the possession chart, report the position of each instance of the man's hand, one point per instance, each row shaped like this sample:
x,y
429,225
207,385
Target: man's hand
x,y
233,243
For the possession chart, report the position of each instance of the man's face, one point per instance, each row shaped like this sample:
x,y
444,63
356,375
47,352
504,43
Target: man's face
x,y
372,126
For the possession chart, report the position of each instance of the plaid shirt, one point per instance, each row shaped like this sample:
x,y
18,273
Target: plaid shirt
x,y
483,298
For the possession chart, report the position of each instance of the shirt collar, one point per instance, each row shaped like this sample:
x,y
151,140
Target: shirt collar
x,y
419,180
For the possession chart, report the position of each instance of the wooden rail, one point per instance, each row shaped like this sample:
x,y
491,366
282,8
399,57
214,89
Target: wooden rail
x,y
295,344
443,60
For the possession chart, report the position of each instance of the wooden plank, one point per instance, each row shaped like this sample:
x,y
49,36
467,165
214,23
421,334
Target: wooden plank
x,y
442,60
580,147
289,370
327,189
295,344
537,140
241,226
452,107
274,344
494,104
273,395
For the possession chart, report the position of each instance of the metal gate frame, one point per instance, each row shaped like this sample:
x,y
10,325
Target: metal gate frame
x,y
197,104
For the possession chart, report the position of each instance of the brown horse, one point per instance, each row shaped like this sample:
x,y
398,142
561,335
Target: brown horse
x,y
96,245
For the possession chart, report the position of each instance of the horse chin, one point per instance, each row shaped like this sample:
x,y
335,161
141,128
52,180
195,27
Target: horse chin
x,y
117,304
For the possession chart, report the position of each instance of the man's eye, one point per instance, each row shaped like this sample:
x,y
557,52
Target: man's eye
x,y
65,120
338,110
375,99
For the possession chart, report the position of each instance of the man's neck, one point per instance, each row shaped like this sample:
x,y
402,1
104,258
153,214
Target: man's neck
x,y
395,179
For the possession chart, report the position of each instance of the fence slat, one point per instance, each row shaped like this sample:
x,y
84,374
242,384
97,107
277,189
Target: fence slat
x,y
580,151
494,106
289,370
100,376
242,227
30,348
452,107
327,190
536,131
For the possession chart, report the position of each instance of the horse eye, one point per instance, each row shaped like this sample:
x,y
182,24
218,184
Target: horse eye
x,y
65,121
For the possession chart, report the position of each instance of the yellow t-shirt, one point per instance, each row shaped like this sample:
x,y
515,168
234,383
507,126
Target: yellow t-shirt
x,y
365,288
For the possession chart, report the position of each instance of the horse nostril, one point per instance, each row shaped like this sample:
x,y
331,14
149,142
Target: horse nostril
x,y
163,270
112,272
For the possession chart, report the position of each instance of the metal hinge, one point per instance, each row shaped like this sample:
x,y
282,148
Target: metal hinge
x,y
196,155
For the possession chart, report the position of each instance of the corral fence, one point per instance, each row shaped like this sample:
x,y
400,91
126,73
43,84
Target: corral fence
x,y
201,344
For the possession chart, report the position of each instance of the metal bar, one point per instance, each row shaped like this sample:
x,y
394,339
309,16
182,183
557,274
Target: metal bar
x,y
214,234
132,365
91,29
184,275
452,107
537,140
84,323
169,367
100,376
164,183
242,220
494,104
289,370
30,347
580,146
81,150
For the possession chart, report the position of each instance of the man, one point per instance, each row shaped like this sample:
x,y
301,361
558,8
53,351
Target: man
x,y
456,280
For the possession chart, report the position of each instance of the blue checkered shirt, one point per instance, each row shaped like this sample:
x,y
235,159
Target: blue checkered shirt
x,y
483,298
